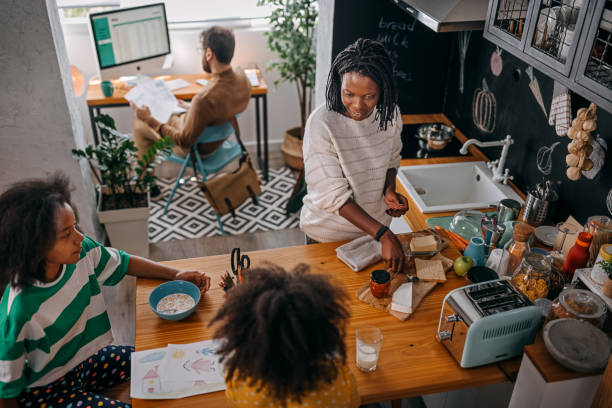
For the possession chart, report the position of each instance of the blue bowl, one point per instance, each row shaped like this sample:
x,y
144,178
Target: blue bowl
x,y
169,288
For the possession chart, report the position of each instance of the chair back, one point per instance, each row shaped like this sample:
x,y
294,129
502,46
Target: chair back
x,y
216,133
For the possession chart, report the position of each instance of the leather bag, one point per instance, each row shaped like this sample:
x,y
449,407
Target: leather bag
x,y
227,191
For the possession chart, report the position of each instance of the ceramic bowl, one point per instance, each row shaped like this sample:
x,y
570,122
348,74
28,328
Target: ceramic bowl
x,y
172,287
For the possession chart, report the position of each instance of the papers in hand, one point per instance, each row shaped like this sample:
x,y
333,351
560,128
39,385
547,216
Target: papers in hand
x,y
176,371
156,96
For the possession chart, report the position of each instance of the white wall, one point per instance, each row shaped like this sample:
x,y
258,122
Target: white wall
x,y
251,50
37,128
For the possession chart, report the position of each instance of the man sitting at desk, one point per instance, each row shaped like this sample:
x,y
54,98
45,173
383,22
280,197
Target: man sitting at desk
x,y
227,93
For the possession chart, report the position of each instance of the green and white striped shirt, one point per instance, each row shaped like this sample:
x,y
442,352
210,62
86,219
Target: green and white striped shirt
x,y
47,329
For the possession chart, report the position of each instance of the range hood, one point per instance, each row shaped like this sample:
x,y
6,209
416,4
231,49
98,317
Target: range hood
x,y
447,15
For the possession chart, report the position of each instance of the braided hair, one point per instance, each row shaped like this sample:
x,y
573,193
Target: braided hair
x,y
368,58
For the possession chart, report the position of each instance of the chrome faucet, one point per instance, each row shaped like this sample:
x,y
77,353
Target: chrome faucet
x,y
496,166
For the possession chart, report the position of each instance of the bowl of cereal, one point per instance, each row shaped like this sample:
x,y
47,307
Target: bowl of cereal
x,y
174,300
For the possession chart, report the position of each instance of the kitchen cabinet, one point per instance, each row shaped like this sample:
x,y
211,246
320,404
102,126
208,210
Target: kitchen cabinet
x,y
568,40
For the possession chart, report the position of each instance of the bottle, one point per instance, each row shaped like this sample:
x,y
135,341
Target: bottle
x,y
578,255
517,246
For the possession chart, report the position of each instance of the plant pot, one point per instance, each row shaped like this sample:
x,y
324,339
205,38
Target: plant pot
x,y
607,288
127,228
292,148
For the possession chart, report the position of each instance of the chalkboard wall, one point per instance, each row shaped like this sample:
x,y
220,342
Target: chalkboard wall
x,y
421,55
519,115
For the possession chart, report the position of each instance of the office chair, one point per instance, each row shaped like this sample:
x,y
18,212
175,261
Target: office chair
x,y
226,153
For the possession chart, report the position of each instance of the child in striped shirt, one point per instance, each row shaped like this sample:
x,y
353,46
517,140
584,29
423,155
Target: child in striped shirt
x,y
54,328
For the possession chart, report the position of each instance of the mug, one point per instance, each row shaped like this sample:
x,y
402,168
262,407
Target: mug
x,y
107,88
507,236
476,251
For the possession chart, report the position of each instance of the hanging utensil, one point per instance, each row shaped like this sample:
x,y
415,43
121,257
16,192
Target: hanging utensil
x,y
535,89
544,158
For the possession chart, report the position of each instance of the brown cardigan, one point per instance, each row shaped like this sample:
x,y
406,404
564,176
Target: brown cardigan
x,y
225,95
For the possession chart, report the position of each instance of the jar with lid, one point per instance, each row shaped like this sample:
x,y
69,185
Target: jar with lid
x,y
518,246
578,304
380,280
578,255
532,276
598,274
600,227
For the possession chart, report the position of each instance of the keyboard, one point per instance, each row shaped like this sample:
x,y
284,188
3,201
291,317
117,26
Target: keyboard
x,y
252,77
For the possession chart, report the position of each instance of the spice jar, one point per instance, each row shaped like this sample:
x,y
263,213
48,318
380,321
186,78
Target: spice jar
x,y
518,245
598,274
578,255
578,304
533,275
600,227
380,280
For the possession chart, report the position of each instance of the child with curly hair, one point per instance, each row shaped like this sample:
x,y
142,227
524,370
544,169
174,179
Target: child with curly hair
x,y
284,343
54,328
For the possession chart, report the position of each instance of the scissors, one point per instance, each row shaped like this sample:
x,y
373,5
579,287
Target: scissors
x,y
239,263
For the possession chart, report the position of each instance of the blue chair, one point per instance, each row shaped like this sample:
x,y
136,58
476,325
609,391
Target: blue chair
x,y
226,153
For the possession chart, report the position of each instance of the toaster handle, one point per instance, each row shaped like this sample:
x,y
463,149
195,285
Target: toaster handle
x,y
452,318
444,335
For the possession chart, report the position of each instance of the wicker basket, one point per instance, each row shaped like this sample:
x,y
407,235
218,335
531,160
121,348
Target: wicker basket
x,y
292,149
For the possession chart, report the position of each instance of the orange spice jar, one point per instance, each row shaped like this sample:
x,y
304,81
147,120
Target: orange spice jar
x,y
380,280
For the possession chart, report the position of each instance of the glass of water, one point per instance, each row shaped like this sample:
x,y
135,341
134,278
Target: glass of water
x,y
369,340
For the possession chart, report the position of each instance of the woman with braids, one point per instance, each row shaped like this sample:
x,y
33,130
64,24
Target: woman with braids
x,y
352,151
284,343
54,329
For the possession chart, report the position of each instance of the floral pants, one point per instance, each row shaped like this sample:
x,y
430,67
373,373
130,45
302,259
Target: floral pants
x,y
81,386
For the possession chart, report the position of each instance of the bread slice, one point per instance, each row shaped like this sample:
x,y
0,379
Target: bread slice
x,y
426,243
429,271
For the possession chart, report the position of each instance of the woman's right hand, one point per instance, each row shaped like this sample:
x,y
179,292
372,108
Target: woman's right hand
x,y
392,251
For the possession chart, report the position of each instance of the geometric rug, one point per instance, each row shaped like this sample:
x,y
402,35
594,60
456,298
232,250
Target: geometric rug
x,y
190,216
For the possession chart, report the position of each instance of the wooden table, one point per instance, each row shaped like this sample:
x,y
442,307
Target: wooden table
x,y
96,101
412,362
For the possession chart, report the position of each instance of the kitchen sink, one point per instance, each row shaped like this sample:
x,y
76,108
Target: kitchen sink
x,y
453,186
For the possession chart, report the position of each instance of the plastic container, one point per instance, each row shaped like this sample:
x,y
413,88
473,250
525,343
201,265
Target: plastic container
x,y
597,273
380,280
578,304
532,277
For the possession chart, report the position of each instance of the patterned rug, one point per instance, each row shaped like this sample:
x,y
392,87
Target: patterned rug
x,y
190,216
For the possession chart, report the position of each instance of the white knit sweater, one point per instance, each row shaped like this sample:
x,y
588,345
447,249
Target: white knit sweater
x,y
345,158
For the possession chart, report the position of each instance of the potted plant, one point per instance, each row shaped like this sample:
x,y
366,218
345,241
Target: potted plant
x,y
291,37
607,287
124,183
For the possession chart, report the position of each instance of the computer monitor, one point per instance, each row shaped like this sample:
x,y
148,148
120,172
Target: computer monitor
x,y
130,41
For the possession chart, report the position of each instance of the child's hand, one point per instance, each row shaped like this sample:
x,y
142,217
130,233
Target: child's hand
x,y
197,278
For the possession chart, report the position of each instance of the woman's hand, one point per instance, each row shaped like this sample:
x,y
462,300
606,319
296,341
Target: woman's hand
x,y
197,278
397,203
392,251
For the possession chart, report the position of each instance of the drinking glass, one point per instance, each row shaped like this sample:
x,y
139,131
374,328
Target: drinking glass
x,y
564,230
369,339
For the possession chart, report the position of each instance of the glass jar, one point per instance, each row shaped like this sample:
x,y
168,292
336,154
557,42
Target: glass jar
x,y
598,274
380,280
532,276
600,227
517,247
578,304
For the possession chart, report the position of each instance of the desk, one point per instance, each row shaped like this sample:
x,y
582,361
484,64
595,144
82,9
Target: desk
x,y
96,101
412,362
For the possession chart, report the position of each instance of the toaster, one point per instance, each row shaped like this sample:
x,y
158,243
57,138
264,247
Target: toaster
x,y
487,322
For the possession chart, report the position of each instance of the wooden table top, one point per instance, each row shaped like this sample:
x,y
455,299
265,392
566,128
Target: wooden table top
x,y
412,361
95,97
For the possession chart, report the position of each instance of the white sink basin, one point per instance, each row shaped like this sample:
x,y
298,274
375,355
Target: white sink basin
x,y
453,186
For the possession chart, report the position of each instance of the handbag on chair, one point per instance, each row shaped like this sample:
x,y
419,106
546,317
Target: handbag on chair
x,y
227,191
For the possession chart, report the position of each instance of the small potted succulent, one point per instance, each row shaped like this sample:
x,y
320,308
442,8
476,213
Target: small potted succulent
x,y
607,287
124,182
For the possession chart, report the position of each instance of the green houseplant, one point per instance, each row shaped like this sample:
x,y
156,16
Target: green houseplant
x,y
291,38
124,182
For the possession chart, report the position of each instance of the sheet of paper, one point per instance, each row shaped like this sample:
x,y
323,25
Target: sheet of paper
x,y
156,96
175,84
202,81
177,371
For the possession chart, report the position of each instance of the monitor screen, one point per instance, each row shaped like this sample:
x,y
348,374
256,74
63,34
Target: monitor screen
x,y
129,35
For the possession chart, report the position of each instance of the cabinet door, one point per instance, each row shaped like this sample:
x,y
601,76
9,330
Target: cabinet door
x,y
553,36
594,70
506,21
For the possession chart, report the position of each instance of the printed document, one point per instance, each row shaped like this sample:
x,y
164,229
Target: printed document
x,y
156,96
